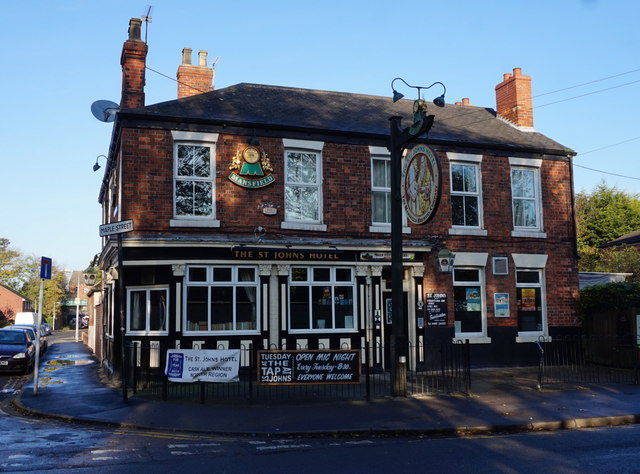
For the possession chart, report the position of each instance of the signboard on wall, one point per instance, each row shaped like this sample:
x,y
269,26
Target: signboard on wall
x,y
191,365
308,367
501,305
436,309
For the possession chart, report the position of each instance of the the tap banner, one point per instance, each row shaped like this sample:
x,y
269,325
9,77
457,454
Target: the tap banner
x,y
191,365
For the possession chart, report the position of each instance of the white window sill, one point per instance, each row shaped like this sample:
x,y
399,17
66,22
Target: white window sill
x,y
222,333
386,229
535,337
322,331
472,339
149,333
467,231
529,233
194,223
303,226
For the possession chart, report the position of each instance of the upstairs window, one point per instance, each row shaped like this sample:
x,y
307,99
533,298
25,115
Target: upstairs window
x,y
526,195
194,172
465,195
381,190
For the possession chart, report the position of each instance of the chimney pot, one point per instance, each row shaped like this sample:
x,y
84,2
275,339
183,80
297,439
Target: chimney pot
x,y
134,29
202,58
517,71
465,101
186,55
506,76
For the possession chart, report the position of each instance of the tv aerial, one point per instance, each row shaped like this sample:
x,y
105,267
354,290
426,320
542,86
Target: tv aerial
x,y
104,110
147,19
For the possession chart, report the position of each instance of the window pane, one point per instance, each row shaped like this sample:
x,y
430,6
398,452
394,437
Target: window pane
x,y
222,274
301,168
198,274
457,178
246,274
299,274
138,316
470,179
221,308
194,161
527,277
381,177
343,305
246,308
522,182
321,274
467,305
197,303
343,274
158,310
321,307
529,309
382,207
299,301
301,203
524,213
471,211
193,198
457,210
466,275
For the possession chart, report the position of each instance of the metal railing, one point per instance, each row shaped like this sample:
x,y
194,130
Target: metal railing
x,y
588,359
443,369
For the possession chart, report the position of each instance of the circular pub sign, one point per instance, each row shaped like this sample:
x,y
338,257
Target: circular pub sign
x,y
420,184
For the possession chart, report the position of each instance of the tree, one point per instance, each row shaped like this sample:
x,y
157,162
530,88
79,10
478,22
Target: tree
x,y
605,214
14,267
54,290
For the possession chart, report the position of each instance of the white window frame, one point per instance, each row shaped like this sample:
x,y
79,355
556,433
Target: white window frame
x,y
195,139
304,146
465,159
533,166
333,283
473,261
147,290
528,262
209,283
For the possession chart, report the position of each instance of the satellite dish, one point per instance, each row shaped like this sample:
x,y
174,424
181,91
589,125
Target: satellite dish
x,y
104,110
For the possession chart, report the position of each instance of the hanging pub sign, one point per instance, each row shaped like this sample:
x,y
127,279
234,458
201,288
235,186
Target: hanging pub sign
x,y
251,168
420,185
436,309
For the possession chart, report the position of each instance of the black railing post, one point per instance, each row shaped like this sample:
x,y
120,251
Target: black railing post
x,y
252,371
540,364
367,372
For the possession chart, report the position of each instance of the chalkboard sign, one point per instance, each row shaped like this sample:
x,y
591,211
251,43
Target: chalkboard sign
x,y
436,309
308,367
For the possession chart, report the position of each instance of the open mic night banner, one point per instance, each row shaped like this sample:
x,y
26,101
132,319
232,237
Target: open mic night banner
x,y
191,365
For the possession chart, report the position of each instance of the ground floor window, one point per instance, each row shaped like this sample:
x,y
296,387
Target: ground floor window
x,y
221,298
148,310
529,301
468,302
321,299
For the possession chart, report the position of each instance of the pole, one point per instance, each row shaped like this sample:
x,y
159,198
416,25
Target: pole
x,y
78,309
399,344
122,300
37,341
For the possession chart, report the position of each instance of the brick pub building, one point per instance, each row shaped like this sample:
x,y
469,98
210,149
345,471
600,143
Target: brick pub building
x,y
262,218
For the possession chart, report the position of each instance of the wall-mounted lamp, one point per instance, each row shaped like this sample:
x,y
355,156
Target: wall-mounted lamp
x,y
438,101
445,260
96,166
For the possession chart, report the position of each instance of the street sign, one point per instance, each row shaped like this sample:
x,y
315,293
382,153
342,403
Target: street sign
x,y
116,228
45,268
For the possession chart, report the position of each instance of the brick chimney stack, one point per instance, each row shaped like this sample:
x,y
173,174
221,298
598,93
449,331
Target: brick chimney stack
x,y
193,80
133,61
513,98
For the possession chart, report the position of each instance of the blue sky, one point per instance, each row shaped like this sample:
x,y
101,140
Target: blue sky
x,y
60,56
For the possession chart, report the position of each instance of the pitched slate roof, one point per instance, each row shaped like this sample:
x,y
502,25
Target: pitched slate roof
x,y
339,113
632,238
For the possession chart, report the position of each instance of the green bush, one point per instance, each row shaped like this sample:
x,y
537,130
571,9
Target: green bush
x,y
620,295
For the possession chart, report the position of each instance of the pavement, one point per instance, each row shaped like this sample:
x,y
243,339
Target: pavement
x,y
71,387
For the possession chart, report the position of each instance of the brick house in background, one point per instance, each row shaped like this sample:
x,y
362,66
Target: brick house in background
x,y
261,217
12,302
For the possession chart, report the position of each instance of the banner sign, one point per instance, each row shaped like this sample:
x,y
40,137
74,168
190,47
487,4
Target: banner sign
x,y
191,365
308,367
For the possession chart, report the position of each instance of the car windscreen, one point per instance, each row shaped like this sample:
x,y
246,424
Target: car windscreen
x,y
12,337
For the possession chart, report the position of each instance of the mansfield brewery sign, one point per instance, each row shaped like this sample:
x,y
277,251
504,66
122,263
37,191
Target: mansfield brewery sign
x,y
420,185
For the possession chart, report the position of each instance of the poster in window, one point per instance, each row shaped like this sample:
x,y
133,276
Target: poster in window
x,y
436,308
501,302
528,299
473,299
388,303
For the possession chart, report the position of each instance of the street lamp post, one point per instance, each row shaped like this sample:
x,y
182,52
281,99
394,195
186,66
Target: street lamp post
x,y
78,308
399,139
